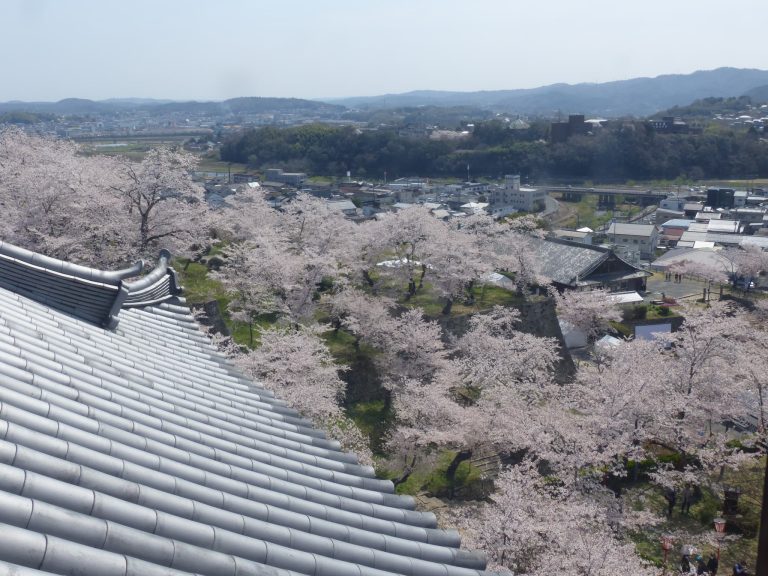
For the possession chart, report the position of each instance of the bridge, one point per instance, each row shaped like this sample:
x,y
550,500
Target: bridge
x,y
607,196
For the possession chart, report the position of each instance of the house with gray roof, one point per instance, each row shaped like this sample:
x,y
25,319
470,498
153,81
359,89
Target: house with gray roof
x,y
638,239
130,446
572,265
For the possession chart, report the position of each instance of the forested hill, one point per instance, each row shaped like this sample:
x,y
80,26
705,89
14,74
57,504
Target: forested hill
x,y
634,97
250,105
624,151
707,108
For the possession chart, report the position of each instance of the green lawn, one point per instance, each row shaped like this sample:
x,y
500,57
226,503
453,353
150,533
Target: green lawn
x,y
341,345
215,165
200,288
485,296
374,419
433,478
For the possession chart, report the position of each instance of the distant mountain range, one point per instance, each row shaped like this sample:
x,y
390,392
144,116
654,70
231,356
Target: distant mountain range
x,y
255,105
635,97
638,97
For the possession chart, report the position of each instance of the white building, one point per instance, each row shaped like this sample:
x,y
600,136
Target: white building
x,y
580,236
512,198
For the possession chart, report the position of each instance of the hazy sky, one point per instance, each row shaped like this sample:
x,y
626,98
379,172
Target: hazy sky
x,y
217,49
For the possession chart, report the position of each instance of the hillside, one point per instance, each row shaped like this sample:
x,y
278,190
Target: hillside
x,y
637,96
250,105
758,95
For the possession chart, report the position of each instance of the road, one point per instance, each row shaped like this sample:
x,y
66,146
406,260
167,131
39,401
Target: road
x,y
557,212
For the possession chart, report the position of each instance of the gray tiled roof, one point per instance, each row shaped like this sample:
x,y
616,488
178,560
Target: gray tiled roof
x,y
566,262
139,449
624,229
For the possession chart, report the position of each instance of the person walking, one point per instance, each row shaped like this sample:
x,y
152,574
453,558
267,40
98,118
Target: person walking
x,y
685,564
671,496
687,495
712,565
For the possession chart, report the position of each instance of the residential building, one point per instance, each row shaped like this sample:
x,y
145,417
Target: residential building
x,y
129,445
346,207
672,230
690,209
721,226
689,239
580,237
672,203
471,208
637,239
291,178
748,215
673,125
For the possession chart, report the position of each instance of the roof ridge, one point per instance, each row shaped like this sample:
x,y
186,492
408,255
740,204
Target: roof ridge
x,y
592,247
62,267
85,293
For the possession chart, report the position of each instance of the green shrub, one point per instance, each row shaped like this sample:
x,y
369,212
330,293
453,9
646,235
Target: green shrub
x,y
707,509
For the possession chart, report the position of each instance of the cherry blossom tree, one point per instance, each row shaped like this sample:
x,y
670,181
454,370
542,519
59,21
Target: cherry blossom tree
x,y
672,394
747,262
298,367
279,259
54,201
96,210
411,246
700,373
622,403
536,525
404,240
590,311
256,277
362,315
707,272
161,201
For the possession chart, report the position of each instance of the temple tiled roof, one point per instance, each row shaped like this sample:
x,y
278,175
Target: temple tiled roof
x,y
566,262
130,446
574,264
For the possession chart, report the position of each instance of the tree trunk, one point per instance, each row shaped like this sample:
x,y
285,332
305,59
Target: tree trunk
x,y
368,279
144,230
406,472
423,273
450,473
470,294
448,306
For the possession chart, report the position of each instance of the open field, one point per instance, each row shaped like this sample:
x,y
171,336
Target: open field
x,y
133,147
